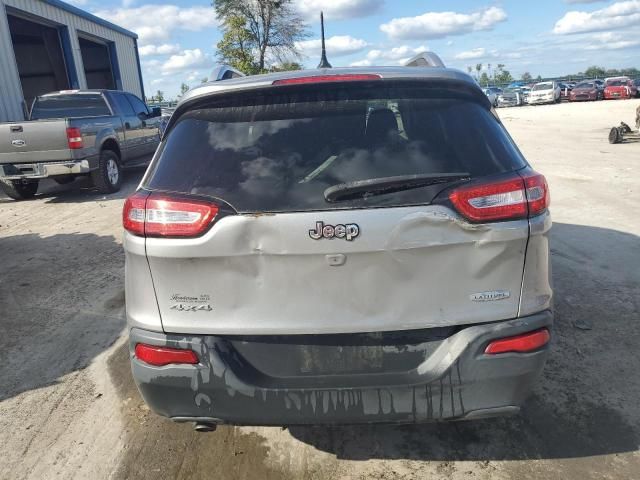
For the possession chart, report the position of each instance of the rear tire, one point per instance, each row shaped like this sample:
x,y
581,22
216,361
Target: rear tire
x,y
18,190
614,136
107,178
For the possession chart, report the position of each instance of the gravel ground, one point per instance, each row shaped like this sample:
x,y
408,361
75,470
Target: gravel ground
x,y
69,409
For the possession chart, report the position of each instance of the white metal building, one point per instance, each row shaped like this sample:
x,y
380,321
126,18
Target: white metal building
x,y
48,45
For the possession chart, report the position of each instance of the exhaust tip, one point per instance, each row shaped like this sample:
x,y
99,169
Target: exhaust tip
x,y
203,427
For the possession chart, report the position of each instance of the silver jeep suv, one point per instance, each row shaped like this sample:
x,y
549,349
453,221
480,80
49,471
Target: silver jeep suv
x,y
337,246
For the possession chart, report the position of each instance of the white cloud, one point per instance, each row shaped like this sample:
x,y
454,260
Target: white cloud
x,y
615,16
442,24
396,55
78,3
612,41
337,46
155,23
186,60
469,54
337,9
164,49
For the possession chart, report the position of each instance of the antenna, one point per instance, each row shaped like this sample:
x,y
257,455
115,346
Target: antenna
x,y
324,63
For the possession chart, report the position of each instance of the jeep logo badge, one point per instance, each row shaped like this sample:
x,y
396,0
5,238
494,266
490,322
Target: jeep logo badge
x,y
18,143
348,231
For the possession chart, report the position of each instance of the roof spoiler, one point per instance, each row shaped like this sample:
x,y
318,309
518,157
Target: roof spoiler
x,y
224,72
425,59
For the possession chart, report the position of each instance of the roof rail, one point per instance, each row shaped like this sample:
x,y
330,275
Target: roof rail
x,y
224,72
425,59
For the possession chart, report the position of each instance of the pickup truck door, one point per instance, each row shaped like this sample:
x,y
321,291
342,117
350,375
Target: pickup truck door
x,y
131,144
150,133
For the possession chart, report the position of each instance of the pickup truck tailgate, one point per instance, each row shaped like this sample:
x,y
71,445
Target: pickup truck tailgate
x,y
34,141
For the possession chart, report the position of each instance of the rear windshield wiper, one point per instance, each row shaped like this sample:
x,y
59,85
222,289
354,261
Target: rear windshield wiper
x,y
381,186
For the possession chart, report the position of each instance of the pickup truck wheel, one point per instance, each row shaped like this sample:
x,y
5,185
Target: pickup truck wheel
x,y
19,190
107,178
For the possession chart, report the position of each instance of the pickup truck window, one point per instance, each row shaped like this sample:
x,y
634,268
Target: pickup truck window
x,y
62,106
137,105
124,107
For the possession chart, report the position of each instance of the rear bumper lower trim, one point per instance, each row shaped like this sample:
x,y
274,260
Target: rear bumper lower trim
x,y
456,381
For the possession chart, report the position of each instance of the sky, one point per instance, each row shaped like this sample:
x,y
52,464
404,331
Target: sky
x,y
177,38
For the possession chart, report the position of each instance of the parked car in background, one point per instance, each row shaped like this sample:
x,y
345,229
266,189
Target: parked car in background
x,y
272,192
636,83
511,97
492,94
585,91
565,90
617,88
526,90
545,92
73,133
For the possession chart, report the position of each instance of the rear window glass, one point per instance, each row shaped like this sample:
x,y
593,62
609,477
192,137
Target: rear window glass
x,y
280,151
61,106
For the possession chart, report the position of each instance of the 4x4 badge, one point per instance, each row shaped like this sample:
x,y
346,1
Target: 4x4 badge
x,y
347,231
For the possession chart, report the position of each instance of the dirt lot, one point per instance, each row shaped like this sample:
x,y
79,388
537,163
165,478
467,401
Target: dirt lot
x,y
69,409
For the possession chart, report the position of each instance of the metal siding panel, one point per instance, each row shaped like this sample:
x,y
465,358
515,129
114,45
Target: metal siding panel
x,y
127,61
10,88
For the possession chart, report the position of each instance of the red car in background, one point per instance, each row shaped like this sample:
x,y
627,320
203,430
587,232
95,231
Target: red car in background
x,y
585,91
621,87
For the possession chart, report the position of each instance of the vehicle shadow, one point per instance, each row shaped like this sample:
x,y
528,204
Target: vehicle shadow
x,y
82,190
584,405
61,304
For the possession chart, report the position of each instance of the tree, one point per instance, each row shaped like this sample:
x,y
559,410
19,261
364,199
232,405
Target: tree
x,y
484,79
526,77
286,67
184,88
469,69
263,30
504,77
204,79
595,72
159,96
538,78
478,68
237,46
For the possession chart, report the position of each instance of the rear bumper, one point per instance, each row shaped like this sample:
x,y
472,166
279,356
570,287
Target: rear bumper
x,y
19,171
456,380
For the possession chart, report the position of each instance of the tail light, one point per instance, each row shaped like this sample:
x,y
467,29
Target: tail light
x,y
519,196
74,138
160,356
520,343
157,215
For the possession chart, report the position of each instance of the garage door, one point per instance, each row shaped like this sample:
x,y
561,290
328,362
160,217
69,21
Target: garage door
x,y
97,63
39,57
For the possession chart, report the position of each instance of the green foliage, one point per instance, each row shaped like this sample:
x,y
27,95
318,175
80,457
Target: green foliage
x,y
159,96
595,72
184,88
502,76
286,67
484,79
258,33
526,77
204,79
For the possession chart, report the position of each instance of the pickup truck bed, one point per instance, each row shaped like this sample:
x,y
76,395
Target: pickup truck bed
x,y
92,132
